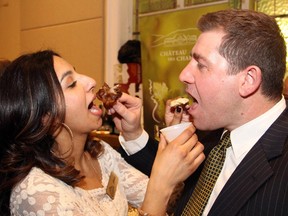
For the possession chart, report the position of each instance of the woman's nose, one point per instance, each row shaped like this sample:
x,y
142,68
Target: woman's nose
x,y
88,83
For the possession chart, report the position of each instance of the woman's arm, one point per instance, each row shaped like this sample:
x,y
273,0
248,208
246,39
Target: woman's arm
x,y
174,162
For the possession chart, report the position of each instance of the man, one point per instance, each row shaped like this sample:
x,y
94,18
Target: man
x,y
235,78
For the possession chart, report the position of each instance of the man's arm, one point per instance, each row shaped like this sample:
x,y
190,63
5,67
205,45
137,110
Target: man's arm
x,y
136,147
142,160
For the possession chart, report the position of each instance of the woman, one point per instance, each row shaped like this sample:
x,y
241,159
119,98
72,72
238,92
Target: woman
x,y
49,164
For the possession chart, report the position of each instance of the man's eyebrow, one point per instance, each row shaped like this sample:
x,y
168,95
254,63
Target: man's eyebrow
x,y
196,56
67,73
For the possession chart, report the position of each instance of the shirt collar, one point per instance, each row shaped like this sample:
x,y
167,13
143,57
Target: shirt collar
x,y
245,137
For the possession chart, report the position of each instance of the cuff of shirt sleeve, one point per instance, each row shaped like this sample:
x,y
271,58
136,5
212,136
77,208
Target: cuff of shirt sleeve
x,y
133,146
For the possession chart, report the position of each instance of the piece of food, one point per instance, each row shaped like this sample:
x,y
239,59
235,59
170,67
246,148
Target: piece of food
x,y
109,95
179,102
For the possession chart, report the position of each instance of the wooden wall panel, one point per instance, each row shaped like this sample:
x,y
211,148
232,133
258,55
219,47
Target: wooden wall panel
x,y
80,43
73,28
41,13
9,30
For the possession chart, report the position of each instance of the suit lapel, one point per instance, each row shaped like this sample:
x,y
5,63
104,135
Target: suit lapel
x,y
253,171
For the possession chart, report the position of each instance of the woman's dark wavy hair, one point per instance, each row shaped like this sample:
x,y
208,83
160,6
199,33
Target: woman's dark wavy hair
x,y
30,91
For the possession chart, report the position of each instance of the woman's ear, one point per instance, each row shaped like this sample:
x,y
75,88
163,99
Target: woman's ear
x,y
250,81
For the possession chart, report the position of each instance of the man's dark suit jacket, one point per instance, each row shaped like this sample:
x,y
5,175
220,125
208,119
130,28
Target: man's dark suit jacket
x,y
258,186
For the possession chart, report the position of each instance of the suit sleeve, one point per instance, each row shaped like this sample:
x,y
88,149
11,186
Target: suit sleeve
x,y
144,159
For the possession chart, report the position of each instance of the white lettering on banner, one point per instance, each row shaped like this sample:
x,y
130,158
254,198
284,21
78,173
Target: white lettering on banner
x,y
183,58
176,55
173,52
180,37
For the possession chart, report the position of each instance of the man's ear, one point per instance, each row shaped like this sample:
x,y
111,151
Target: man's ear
x,y
250,81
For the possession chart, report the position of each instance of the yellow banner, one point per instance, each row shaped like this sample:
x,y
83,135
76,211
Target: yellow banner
x,y
166,43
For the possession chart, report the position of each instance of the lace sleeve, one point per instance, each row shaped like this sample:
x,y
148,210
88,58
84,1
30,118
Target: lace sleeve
x,y
40,194
133,181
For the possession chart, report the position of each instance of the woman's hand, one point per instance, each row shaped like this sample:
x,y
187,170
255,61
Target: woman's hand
x,y
174,162
177,160
175,115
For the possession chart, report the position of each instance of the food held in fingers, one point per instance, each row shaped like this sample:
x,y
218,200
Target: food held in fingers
x,y
182,101
109,95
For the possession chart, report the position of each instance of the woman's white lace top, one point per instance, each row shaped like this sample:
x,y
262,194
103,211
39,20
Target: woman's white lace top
x,y
42,194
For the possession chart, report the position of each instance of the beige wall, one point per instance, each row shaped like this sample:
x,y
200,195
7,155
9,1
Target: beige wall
x,y
9,28
73,28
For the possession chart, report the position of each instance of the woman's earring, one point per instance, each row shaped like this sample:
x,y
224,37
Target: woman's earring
x,y
68,129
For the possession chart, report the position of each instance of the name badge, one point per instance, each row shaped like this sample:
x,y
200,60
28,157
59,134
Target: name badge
x,y
112,185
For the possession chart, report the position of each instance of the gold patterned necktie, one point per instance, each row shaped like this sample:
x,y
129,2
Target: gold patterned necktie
x,y
208,177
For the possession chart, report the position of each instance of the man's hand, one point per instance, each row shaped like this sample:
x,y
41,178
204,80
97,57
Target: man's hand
x,y
126,115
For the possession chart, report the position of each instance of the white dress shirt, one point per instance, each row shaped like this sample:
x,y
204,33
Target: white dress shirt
x,y
133,146
243,139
